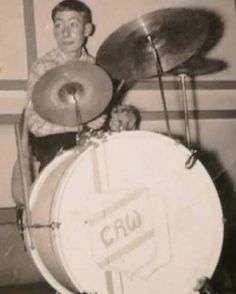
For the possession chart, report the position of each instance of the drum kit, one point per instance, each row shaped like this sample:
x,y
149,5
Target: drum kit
x,y
132,211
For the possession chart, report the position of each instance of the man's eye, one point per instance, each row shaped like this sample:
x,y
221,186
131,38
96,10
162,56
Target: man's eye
x,y
58,25
74,24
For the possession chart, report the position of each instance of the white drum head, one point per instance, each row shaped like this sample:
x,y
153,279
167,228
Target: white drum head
x,y
131,218
135,220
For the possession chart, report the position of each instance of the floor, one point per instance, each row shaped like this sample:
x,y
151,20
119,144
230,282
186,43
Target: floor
x,y
18,274
27,289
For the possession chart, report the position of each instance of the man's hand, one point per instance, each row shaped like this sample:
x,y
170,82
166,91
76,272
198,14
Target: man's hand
x,y
98,123
124,117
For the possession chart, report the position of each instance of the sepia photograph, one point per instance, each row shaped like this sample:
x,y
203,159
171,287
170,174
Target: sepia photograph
x,y
117,131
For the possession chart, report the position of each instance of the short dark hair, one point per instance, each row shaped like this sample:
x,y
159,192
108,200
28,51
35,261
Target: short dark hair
x,y
74,5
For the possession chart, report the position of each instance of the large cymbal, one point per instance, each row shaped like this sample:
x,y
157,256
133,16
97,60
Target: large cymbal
x,y
55,93
176,34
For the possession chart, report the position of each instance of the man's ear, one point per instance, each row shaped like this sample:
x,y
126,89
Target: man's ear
x,y
89,29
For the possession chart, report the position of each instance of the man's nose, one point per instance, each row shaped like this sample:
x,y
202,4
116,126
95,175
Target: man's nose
x,y
66,31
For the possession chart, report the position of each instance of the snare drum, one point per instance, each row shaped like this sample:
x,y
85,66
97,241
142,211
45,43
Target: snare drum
x,y
126,216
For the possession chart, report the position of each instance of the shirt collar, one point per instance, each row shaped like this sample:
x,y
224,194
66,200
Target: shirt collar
x,y
65,58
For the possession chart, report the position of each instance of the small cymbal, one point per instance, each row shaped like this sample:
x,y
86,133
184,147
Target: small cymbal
x,y
57,94
176,34
199,65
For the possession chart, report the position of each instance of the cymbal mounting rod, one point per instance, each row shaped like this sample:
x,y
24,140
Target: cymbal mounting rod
x,y
156,56
120,86
78,118
159,74
182,79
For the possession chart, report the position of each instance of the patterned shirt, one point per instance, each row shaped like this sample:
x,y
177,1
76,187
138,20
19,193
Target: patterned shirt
x,y
36,124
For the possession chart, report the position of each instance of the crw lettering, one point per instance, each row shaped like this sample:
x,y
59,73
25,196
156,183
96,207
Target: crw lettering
x,y
121,228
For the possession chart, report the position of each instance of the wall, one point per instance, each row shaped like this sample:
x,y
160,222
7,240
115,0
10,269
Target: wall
x,y
28,35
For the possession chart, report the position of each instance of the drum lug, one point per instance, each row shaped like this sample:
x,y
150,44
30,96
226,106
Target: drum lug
x,y
19,219
191,160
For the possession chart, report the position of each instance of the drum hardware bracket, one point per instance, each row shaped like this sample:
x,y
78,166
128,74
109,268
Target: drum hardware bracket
x,y
95,138
52,225
19,220
191,160
60,151
206,287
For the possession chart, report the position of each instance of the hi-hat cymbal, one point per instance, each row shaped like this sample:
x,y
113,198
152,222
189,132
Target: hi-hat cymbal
x,y
61,90
199,65
176,34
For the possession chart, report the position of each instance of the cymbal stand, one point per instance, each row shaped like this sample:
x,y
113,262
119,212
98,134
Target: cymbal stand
x,y
159,74
192,159
78,117
83,135
120,86
182,80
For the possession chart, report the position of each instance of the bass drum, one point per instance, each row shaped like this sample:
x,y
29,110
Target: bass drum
x,y
126,216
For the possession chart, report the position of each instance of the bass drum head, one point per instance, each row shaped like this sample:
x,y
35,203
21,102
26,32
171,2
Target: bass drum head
x,y
125,216
133,219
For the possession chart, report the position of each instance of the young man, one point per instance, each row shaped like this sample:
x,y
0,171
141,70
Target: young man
x,y
72,23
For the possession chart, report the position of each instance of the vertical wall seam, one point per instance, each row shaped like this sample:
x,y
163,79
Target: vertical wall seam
x,y
30,32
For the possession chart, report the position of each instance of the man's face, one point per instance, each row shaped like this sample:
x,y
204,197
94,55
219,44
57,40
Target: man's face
x,y
70,31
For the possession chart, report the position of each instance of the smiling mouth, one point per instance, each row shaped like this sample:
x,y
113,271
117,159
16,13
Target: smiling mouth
x,y
68,43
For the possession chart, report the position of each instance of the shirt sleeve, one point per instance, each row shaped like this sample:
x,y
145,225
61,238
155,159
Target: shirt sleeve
x,y
40,127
